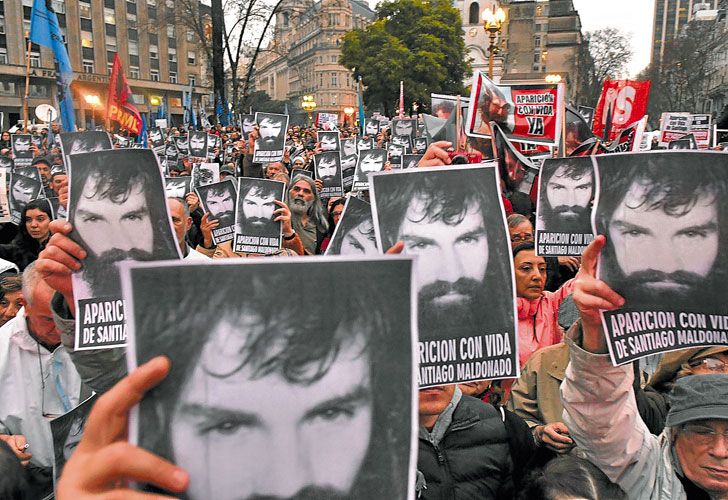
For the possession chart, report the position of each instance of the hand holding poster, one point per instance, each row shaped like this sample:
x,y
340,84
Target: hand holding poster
x,y
118,210
218,200
328,171
452,219
664,218
256,228
308,400
269,145
529,112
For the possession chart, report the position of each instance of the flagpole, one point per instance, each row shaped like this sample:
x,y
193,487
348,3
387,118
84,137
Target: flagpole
x,y
27,85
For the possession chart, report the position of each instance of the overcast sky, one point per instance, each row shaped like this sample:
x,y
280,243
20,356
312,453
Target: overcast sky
x,y
634,17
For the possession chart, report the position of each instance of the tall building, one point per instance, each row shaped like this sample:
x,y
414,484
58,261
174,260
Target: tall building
x,y
670,17
303,56
95,30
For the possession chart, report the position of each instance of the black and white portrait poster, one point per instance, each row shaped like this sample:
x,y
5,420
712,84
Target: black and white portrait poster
x,y
685,142
84,142
370,160
4,202
452,219
563,213
156,138
348,147
664,217
363,144
348,168
354,234
214,145
22,151
301,171
123,142
419,145
371,127
204,174
182,145
177,187
394,155
269,145
328,171
30,171
321,409
67,431
587,113
219,200
404,126
197,145
118,209
23,189
328,141
411,161
256,231
171,157
6,163
248,125
404,141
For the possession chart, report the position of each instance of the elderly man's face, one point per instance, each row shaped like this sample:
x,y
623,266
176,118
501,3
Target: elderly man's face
x,y
702,449
298,451
273,169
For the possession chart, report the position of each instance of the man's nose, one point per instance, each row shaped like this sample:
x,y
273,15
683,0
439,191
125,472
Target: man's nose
x,y
663,258
719,449
286,470
448,264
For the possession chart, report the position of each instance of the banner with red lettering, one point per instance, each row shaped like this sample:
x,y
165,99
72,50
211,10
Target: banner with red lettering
x,y
118,107
621,103
525,111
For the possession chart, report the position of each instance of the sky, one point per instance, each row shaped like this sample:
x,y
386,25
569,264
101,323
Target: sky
x,y
634,17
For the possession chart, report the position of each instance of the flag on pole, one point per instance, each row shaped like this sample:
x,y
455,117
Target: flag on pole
x,y
118,107
142,139
188,113
401,99
45,30
361,106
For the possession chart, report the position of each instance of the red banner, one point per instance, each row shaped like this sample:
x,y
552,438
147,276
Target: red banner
x,y
621,103
118,107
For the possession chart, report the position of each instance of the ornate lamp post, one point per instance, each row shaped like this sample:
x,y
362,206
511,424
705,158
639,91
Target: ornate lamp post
x,y
308,105
348,112
493,23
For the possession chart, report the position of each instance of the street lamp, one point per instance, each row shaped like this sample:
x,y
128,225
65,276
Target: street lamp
x,y
493,23
93,101
553,78
308,105
348,111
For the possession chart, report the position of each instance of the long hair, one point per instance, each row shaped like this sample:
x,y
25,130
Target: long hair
x,y
317,212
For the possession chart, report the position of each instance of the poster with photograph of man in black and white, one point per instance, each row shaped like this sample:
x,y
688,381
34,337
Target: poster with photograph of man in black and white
x,y
248,125
371,127
218,200
395,152
665,218
5,216
269,145
6,163
685,142
177,187
563,214
22,150
369,161
118,209
204,174
403,140
364,144
354,234
328,171
256,228
31,172
323,409
411,161
348,146
67,431
23,189
419,145
328,141
197,145
84,142
404,126
182,145
156,138
348,168
453,220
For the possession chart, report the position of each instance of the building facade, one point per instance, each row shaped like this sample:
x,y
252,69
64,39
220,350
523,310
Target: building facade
x,y
670,17
303,56
159,54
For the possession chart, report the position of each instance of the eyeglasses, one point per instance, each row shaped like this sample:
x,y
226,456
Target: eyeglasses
x,y
711,364
701,434
517,238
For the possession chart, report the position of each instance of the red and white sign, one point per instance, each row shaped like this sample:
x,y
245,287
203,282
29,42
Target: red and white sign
x,y
627,101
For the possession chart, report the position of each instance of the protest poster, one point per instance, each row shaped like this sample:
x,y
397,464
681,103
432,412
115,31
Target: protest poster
x,y
529,112
22,151
663,214
83,142
172,160
248,125
218,200
67,431
517,171
269,145
404,126
628,139
587,113
328,171
123,142
4,201
309,386
404,141
363,144
419,145
453,220
328,141
411,161
161,123
348,168
204,174
348,147
177,187
156,138
182,145
256,231
301,171
673,126
23,189
327,121
354,234
118,209
563,213
370,160
621,103
197,145
29,171
394,155
371,127
700,127
6,163
685,142
442,105
37,140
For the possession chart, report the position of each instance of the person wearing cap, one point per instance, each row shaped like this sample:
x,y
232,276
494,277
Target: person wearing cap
x,y
227,170
689,459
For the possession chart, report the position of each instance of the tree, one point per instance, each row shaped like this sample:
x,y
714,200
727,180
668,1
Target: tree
x,y
603,55
418,42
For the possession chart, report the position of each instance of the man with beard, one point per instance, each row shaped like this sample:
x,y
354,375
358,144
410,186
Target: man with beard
x,y
23,189
256,207
372,127
329,141
664,231
308,215
219,200
326,168
370,161
84,142
446,220
566,206
271,132
404,127
115,218
198,144
248,125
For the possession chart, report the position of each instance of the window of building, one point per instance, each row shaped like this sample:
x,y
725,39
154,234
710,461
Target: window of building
x,y
109,16
537,41
191,57
334,59
131,19
170,31
172,43
173,66
109,67
153,52
7,88
2,25
154,63
154,75
152,2
88,66
132,34
191,36
27,13
110,30
35,59
84,10
109,4
151,12
334,79
3,55
61,20
474,14
87,39
26,27
86,25
153,39
87,53
172,77
110,56
134,72
172,55
133,48
133,60
131,7
333,19
192,80
111,43
35,90
59,6
169,4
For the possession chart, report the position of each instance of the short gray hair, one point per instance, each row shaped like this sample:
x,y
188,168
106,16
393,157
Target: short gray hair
x,y
31,278
516,219
185,205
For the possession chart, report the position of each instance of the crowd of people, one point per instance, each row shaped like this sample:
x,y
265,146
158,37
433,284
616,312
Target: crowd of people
x,y
571,426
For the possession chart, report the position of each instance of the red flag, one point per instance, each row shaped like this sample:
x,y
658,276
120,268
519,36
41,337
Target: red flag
x,y
118,107
625,100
